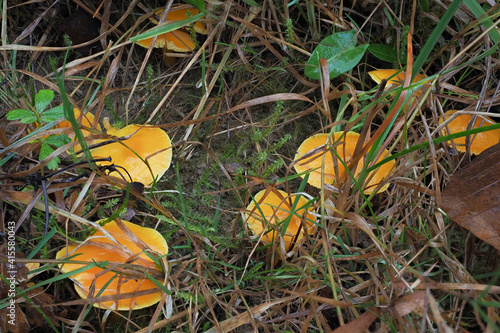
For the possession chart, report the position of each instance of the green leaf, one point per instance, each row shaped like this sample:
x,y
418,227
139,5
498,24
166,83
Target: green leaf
x,y
46,150
25,116
52,114
69,113
340,51
386,52
425,5
6,158
167,28
43,99
57,140
200,4
434,36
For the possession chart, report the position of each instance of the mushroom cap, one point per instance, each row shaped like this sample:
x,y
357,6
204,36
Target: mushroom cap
x,y
152,144
182,14
480,141
178,41
276,206
396,78
99,248
86,120
393,76
344,149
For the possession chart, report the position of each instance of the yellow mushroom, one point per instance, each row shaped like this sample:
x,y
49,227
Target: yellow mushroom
x,y
85,120
478,142
98,248
177,40
396,78
315,151
270,208
181,14
146,154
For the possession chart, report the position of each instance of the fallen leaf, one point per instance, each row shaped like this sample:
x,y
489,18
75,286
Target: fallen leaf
x,y
472,197
359,324
409,303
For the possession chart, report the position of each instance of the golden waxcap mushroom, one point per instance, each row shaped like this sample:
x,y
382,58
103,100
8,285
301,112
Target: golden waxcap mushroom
x,y
306,160
146,144
478,142
98,248
178,41
182,14
393,76
396,78
86,120
276,206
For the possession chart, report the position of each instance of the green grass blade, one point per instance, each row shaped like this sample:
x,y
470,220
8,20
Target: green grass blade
x,y
434,37
167,28
478,11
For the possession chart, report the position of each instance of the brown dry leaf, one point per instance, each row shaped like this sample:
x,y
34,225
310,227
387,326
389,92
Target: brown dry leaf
x,y
41,300
403,306
359,324
472,198
13,320
409,303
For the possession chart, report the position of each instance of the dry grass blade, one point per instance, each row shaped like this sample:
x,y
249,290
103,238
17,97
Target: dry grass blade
x,y
244,318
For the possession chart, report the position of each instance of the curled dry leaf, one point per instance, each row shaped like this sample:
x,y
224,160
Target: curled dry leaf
x,y
472,197
360,324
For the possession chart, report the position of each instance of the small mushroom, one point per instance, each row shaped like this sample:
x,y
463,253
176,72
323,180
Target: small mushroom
x,y
86,120
478,142
394,77
182,14
312,153
177,40
98,248
146,154
270,208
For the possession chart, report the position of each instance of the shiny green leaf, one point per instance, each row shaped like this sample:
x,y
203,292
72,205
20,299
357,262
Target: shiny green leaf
x,y
340,51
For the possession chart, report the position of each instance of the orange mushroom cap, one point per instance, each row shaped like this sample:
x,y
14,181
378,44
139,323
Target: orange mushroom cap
x,y
86,120
391,75
178,41
276,206
147,143
395,78
344,149
480,141
98,248
182,14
